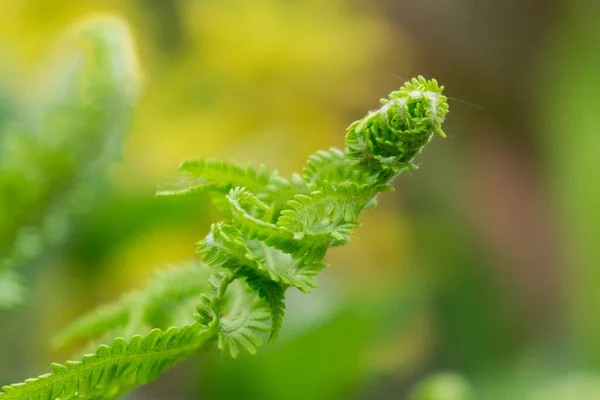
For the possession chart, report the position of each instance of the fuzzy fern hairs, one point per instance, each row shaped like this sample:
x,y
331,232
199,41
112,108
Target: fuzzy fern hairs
x,y
273,236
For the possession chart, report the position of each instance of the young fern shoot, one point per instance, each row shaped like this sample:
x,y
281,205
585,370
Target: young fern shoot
x,y
274,235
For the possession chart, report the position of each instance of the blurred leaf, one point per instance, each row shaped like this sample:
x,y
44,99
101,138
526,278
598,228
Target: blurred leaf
x,y
157,305
11,291
53,152
442,386
570,114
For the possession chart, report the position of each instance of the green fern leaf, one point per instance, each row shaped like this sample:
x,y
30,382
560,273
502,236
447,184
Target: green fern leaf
x,y
272,293
323,164
325,168
226,174
280,191
184,185
387,140
221,176
112,369
238,329
224,247
311,247
285,269
333,210
235,314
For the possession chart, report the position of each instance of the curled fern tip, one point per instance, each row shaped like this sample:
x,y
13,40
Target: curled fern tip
x,y
389,138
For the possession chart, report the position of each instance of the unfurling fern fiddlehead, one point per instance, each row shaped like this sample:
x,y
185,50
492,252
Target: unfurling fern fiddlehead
x,y
274,236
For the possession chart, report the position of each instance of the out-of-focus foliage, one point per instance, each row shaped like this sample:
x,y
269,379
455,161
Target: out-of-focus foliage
x,y
160,304
443,386
570,103
54,146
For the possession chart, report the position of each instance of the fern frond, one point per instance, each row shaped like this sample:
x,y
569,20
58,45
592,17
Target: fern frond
x,y
272,293
237,331
224,247
110,369
320,165
154,305
280,191
226,174
329,167
285,269
184,185
386,141
276,233
217,175
235,314
334,209
310,246
217,178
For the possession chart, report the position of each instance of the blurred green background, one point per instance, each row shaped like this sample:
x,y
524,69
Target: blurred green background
x,y
484,263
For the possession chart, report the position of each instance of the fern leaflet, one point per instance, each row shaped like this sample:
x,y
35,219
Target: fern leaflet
x,y
103,373
332,167
216,175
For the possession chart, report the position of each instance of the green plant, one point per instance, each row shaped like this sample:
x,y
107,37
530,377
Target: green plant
x,y
274,235
53,148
